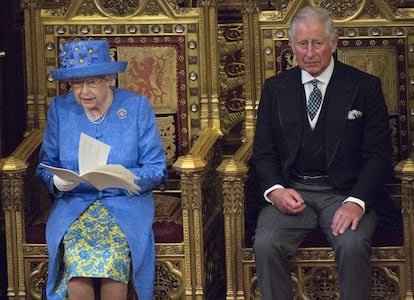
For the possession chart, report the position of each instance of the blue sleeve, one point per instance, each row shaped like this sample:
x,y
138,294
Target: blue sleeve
x,y
151,168
49,151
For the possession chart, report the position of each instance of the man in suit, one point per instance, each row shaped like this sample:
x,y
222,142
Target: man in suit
x,y
322,168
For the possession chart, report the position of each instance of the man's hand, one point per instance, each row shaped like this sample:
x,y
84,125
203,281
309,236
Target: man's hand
x,y
349,214
288,201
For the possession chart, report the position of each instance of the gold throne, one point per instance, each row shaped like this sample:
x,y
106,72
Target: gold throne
x,y
183,92
375,37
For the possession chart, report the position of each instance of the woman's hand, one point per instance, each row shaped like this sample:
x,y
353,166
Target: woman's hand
x,y
64,185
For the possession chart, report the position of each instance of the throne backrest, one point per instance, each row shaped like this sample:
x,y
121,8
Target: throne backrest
x,y
164,43
373,38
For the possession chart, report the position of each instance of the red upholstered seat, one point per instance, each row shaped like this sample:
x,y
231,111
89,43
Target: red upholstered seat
x,y
164,232
167,225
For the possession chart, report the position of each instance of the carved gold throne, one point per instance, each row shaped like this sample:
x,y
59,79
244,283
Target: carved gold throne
x,y
376,37
172,61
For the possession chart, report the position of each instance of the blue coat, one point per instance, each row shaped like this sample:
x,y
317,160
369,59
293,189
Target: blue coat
x,y
131,131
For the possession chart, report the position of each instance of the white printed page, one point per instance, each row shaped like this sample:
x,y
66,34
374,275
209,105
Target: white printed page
x,y
92,153
112,176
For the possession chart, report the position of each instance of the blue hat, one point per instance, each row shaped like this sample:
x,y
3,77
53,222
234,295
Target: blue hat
x,y
86,58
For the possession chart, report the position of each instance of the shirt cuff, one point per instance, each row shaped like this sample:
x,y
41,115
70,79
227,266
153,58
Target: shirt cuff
x,y
278,186
272,188
357,201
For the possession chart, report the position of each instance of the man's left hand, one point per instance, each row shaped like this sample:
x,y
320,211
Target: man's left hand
x,y
349,214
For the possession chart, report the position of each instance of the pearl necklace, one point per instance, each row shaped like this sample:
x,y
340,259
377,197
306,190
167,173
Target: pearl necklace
x,y
96,119
99,119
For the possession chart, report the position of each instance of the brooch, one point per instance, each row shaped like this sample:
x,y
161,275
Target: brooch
x,y
122,113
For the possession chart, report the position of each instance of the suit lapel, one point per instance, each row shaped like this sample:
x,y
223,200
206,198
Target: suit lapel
x,y
341,95
290,108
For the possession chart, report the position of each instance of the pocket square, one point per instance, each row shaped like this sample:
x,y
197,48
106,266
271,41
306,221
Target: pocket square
x,y
354,114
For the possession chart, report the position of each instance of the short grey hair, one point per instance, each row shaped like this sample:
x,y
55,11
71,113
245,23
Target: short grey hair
x,y
316,13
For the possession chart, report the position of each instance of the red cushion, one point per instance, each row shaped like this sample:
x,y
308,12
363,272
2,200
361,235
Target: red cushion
x,y
164,232
36,234
167,232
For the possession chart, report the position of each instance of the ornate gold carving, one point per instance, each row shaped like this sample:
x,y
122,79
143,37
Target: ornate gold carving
x,y
254,289
58,10
371,11
169,249
153,8
327,254
382,62
231,77
88,8
280,5
320,283
168,136
247,255
12,191
385,283
341,10
233,192
35,250
314,254
37,278
388,253
168,281
12,171
119,8
281,9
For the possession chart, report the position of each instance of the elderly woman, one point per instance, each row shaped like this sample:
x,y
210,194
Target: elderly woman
x,y
100,237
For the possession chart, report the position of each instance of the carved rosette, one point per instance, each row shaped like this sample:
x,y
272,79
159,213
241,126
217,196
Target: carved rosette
x,y
320,283
341,10
311,281
119,7
168,281
385,283
37,278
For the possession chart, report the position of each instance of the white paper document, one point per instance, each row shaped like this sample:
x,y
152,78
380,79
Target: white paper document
x,y
93,168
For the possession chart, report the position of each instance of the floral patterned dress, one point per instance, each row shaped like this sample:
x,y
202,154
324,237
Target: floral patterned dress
x,y
94,247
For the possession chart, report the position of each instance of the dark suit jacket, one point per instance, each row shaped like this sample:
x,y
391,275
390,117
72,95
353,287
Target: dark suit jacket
x,y
358,146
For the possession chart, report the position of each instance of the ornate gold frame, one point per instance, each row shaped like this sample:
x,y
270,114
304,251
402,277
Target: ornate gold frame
x,y
184,269
364,26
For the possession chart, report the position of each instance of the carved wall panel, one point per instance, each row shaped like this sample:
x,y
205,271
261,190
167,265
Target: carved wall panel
x,y
314,278
232,84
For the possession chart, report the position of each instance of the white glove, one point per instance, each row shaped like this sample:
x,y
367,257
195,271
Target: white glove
x,y
64,185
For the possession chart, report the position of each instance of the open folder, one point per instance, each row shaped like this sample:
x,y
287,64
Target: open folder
x,y
93,168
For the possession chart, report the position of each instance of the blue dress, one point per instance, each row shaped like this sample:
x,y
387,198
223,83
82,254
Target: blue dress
x,y
130,129
94,246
